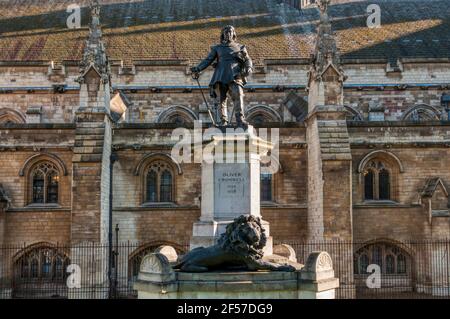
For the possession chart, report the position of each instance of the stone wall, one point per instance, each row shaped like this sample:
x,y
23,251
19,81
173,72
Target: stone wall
x,y
38,225
367,83
405,140
286,215
17,186
423,153
146,225
21,148
394,101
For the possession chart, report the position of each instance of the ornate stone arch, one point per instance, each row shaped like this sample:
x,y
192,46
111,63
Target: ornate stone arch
x,y
45,170
38,245
267,113
31,161
383,154
41,268
157,173
421,112
177,114
385,247
353,114
10,115
379,176
155,156
389,241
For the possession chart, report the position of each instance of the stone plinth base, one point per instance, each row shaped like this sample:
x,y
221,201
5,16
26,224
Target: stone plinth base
x,y
229,285
314,281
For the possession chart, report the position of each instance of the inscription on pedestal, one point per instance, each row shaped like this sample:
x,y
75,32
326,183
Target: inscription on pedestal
x,y
231,190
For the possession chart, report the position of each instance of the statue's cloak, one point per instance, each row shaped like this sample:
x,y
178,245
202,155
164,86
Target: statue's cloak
x,y
231,60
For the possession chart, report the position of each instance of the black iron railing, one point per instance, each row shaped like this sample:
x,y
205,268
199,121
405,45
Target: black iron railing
x,y
378,269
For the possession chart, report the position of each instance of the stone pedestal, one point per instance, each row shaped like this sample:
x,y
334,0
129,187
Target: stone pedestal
x,y
317,279
230,184
158,281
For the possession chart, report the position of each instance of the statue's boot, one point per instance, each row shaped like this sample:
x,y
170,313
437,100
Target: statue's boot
x,y
241,121
224,122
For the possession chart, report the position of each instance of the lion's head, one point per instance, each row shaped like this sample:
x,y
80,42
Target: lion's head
x,y
244,236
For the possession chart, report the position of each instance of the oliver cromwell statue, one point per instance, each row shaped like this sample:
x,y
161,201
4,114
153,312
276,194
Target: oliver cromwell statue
x,y
232,67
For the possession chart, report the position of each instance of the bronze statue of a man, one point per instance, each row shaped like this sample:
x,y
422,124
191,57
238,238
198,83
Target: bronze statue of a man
x,y
232,67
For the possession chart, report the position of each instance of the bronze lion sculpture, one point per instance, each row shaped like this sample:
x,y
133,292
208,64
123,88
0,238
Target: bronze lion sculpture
x,y
239,248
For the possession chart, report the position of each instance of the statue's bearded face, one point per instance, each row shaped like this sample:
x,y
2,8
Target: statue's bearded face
x,y
228,35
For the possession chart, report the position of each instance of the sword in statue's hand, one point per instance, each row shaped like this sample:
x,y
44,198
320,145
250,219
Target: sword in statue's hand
x,y
196,76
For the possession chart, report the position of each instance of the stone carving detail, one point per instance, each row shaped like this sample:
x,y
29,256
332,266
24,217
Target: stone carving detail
x,y
240,247
155,264
319,262
326,53
324,262
94,53
156,268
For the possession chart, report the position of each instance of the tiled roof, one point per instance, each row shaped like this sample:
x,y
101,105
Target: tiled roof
x,y
431,186
184,29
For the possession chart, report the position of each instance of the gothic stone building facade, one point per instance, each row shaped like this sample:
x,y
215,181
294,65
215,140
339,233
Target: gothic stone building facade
x,y
362,115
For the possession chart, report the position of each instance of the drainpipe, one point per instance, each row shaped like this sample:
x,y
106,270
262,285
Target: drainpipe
x,y
112,287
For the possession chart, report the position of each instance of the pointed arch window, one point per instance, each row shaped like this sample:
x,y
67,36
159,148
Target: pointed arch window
x,y
266,187
369,180
422,113
377,182
10,116
363,263
159,183
401,264
390,264
391,259
40,271
269,174
44,181
152,186
259,119
384,184
166,185
261,114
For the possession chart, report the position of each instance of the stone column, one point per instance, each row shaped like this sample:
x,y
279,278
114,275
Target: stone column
x,y
90,187
91,169
329,157
90,198
230,184
330,209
